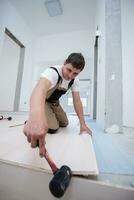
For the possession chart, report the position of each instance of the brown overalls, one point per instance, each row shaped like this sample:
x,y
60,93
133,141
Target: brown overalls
x,y
56,117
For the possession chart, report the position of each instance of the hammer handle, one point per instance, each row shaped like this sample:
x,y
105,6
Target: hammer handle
x,y
49,160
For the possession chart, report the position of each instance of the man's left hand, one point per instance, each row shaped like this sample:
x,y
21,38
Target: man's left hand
x,y
85,129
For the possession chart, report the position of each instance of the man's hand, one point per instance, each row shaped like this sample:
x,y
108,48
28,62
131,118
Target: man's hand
x,y
35,130
85,128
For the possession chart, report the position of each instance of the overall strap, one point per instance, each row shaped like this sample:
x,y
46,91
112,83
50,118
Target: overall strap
x,y
70,83
59,78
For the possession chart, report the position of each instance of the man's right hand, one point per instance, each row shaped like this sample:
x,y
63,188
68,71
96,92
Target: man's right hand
x,y
35,131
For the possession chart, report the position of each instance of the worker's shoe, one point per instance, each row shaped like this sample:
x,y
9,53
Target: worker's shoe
x,y
52,131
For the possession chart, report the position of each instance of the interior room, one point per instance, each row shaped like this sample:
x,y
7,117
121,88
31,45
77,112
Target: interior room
x,y
39,34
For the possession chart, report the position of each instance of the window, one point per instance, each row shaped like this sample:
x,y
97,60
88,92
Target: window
x,y
85,93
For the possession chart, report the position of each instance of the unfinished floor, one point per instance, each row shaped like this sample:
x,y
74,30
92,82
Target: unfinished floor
x,y
114,154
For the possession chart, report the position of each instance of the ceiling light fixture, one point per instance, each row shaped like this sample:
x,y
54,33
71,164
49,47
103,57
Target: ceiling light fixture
x,y
54,7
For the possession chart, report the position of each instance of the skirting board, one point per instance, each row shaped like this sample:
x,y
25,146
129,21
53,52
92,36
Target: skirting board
x,y
66,147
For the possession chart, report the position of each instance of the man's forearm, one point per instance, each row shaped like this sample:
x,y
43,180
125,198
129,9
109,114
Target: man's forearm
x,y
79,111
36,101
36,127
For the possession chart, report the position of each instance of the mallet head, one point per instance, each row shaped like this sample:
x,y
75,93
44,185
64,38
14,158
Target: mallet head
x,y
60,181
9,118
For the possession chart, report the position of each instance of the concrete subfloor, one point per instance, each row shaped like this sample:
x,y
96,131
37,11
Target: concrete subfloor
x,y
125,143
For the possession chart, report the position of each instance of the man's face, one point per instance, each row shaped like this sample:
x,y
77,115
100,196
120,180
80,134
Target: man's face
x,y
69,72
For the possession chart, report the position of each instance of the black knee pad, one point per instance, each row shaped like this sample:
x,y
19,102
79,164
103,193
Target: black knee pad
x,y
52,131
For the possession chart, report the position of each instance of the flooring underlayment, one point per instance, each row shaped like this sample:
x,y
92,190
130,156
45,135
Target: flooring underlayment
x,y
114,152
66,147
115,156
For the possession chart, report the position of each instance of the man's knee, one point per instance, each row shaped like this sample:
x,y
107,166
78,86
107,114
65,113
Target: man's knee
x,y
64,124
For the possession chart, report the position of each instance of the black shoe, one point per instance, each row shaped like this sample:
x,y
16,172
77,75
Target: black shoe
x,y
52,131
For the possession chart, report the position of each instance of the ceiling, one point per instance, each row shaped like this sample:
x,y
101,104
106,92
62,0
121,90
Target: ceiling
x,y
77,15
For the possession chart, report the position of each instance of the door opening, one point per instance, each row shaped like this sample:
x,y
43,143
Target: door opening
x,y
11,67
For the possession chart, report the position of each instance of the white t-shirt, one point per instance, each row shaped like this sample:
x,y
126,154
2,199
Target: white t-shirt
x,y
53,76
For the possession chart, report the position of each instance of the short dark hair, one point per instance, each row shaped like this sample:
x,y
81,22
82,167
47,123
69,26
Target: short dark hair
x,y
77,60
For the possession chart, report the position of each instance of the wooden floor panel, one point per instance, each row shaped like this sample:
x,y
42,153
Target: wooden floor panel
x,y
65,147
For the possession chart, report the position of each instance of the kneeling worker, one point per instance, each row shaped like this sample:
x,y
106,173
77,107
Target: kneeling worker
x,y
46,114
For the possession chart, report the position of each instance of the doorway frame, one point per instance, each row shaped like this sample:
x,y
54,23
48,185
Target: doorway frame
x,y
20,69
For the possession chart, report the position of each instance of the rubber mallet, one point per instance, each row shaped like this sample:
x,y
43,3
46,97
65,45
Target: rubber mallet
x,y
61,178
8,118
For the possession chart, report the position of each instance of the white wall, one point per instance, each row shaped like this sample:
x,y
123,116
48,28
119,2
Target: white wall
x,y
49,50
10,18
54,49
127,16
128,61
